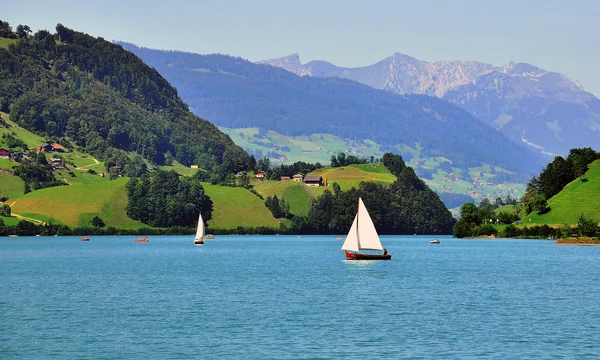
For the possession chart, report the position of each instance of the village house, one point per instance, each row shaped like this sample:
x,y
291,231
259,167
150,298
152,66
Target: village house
x,y
260,175
4,153
45,148
57,148
313,180
298,177
284,178
56,162
50,148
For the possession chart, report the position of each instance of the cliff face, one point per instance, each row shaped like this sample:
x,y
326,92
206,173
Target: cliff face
x,y
542,109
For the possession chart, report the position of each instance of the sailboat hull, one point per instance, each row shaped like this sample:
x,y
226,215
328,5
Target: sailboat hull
x,y
358,256
198,241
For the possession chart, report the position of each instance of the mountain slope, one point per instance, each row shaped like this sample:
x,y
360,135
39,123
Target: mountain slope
x,y
91,93
236,93
542,109
578,197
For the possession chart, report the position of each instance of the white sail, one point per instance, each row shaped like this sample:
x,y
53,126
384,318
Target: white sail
x,y
351,242
200,230
362,234
367,235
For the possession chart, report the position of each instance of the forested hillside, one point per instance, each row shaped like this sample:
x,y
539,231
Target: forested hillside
x,y
83,91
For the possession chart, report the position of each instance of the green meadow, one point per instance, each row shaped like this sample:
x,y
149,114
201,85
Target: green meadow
x,y
11,186
234,206
76,205
4,42
575,199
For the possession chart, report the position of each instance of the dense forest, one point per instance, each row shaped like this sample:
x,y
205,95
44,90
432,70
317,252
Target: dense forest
x,y
164,199
83,91
236,93
407,206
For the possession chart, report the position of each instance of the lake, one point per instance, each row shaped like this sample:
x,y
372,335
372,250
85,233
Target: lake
x,y
284,297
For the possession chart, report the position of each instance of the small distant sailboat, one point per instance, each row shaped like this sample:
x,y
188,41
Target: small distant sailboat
x,y
363,236
141,239
209,236
85,239
434,241
199,240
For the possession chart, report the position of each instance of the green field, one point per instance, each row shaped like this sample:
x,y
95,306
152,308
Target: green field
x,y
10,221
6,164
76,205
4,42
295,193
180,169
11,186
234,206
308,148
575,199
352,175
31,139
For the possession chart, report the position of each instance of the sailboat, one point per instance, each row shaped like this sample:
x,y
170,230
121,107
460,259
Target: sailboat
x,y
199,240
363,236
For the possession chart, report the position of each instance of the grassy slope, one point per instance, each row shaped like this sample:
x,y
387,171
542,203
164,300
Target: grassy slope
x,y
31,139
76,205
10,221
575,199
349,176
296,193
11,186
235,207
4,42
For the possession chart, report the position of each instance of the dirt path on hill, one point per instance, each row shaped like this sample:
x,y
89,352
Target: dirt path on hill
x,y
87,166
21,217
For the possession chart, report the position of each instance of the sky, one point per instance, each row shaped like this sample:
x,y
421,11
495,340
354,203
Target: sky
x,y
556,35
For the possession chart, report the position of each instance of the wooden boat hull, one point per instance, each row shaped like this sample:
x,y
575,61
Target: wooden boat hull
x,y
358,256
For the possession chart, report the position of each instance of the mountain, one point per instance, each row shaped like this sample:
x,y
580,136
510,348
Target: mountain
x,y
399,73
89,93
544,110
236,93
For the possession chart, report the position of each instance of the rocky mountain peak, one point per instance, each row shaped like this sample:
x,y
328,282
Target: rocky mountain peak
x,y
289,62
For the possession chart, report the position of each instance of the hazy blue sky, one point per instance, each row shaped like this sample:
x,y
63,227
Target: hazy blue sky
x,y
560,36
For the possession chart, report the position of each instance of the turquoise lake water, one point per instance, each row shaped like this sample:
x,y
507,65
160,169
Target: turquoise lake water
x,y
283,297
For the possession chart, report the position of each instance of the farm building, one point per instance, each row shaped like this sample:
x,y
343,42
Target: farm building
x,y
313,180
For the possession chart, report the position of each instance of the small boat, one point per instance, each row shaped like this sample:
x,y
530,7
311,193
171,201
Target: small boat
x,y
209,236
199,239
141,239
338,238
85,239
363,236
434,241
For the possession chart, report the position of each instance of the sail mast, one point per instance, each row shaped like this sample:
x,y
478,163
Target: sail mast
x,y
357,218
